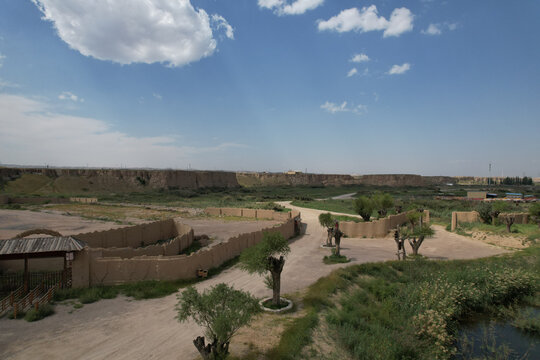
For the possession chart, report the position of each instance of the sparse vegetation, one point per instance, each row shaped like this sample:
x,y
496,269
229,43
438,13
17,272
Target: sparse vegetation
x,y
267,256
410,309
42,312
222,311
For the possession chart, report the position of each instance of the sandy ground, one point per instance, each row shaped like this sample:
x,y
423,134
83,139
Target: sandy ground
x,y
124,329
13,222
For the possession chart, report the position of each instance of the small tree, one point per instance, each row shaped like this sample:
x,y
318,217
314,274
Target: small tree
x,y
498,207
383,202
534,212
416,236
508,219
263,258
484,210
414,217
326,220
221,310
363,206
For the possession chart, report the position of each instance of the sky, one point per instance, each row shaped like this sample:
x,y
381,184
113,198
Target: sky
x,y
354,87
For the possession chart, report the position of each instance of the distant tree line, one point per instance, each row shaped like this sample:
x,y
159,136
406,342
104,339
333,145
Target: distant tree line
x,y
512,181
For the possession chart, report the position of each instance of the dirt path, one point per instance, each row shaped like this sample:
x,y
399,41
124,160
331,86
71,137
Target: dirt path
x,y
123,329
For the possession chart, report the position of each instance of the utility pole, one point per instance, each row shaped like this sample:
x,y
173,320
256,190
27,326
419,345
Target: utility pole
x,y
489,178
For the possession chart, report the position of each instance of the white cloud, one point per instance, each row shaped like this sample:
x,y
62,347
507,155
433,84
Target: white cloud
x,y
33,133
433,29
343,107
284,7
368,19
437,29
352,72
157,96
2,57
135,31
66,95
451,26
220,22
358,58
399,69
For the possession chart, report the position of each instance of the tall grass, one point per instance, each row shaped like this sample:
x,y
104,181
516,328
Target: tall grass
x,y
412,309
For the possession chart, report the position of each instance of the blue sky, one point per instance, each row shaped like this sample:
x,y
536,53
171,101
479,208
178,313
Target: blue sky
x,y
358,87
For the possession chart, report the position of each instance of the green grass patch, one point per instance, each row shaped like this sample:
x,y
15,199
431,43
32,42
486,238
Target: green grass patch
x,y
335,259
295,337
412,309
35,315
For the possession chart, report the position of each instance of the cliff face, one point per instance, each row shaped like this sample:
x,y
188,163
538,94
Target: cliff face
x,y
282,179
392,180
120,179
69,181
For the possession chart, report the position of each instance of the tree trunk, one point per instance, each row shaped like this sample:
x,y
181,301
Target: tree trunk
x,y
213,351
276,267
338,243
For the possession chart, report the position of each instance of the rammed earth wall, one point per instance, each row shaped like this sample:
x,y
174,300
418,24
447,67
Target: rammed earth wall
x,y
116,256
376,228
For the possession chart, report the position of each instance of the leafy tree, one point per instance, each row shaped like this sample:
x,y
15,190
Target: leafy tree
x,y
497,208
534,211
263,258
414,217
383,202
416,236
364,206
484,210
327,221
221,310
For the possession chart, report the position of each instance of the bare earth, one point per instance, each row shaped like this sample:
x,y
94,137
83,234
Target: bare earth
x,y
13,222
124,329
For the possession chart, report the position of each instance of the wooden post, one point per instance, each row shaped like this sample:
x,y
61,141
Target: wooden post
x,y
25,274
64,277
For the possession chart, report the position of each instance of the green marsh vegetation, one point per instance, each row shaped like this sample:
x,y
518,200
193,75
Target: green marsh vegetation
x,y
411,309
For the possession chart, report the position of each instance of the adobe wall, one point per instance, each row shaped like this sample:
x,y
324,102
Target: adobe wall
x,y
463,216
84,200
472,216
133,236
376,228
108,270
253,213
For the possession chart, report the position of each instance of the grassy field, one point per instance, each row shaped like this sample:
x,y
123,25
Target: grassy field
x,y
408,309
531,232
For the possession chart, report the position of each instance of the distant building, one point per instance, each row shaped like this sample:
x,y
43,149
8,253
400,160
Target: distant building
x,y
293,172
514,196
476,195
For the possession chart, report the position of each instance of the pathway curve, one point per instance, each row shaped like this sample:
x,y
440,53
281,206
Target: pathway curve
x,y
124,329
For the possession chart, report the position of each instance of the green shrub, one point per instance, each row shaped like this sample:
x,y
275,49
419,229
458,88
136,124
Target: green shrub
x,y
43,311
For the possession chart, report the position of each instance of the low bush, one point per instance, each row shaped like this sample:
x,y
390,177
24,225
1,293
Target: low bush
x,y
43,311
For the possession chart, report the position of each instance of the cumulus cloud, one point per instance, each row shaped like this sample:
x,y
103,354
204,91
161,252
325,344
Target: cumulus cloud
x,y
368,19
66,95
359,58
284,7
33,133
437,29
135,31
399,69
433,29
220,23
343,107
352,72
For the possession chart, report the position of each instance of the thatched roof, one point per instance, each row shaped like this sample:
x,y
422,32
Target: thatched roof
x,y
40,245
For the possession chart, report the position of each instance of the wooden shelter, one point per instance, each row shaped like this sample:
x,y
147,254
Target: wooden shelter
x,y
42,247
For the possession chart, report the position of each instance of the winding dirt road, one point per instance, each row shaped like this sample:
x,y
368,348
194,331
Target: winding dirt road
x,y
125,329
